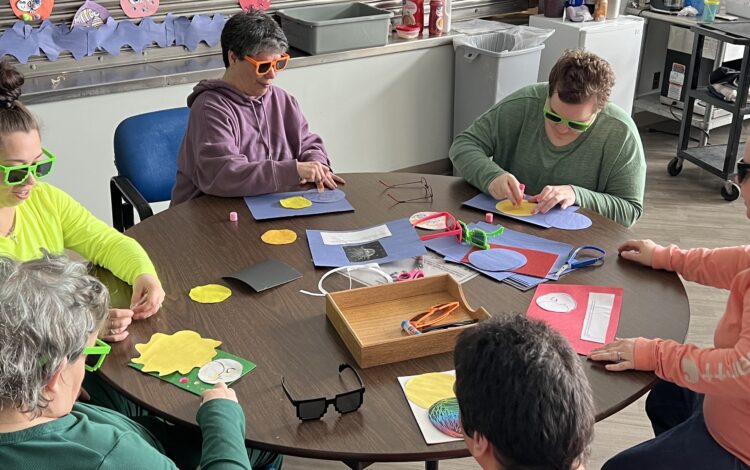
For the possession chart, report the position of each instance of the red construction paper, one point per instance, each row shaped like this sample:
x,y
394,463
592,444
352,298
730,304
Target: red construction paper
x,y
570,324
538,263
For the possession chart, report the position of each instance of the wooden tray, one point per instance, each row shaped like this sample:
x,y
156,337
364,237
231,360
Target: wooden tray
x,y
369,319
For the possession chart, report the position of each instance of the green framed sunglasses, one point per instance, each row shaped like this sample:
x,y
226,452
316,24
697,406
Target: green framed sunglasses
x,y
95,355
577,126
18,174
478,237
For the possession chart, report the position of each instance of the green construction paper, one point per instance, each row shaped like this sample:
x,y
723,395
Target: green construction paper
x,y
194,384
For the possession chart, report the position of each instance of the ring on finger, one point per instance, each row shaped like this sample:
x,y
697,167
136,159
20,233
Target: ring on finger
x,y
619,356
112,332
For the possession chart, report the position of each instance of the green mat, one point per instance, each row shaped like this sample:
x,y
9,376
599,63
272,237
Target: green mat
x,y
194,384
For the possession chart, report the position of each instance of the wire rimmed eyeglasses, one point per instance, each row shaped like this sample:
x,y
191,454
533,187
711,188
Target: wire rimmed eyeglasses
x,y
422,184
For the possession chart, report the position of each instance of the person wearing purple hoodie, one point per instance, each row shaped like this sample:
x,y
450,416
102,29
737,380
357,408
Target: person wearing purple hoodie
x,y
245,136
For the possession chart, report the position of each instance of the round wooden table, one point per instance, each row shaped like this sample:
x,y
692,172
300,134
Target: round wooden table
x,y
287,333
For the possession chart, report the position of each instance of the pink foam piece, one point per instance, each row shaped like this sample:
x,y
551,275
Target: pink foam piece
x,y
488,217
183,380
233,217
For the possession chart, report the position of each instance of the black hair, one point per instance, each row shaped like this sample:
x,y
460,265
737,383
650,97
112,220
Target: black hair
x,y
14,116
521,386
251,33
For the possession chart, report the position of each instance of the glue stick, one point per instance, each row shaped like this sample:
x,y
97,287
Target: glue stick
x,y
409,329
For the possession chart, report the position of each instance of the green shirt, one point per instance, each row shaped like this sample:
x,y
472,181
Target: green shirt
x,y
91,437
605,165
53,220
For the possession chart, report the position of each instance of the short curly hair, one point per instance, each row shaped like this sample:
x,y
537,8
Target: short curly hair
x,y
580,75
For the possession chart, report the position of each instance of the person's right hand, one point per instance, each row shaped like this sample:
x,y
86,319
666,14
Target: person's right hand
x,y
219,392
506,186
640,251
316,172
115,328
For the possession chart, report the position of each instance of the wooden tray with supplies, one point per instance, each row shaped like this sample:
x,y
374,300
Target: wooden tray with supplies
x,y
369,319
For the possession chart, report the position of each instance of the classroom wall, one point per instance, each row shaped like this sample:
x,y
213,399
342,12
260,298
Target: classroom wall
x,y
377,113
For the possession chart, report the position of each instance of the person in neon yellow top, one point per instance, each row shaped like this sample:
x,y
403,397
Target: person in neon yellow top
x,y
35,215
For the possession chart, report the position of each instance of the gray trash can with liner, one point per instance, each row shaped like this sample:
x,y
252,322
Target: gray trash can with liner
x,y
489,67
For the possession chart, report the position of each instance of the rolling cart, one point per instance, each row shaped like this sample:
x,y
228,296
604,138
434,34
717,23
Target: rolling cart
x,y
717,159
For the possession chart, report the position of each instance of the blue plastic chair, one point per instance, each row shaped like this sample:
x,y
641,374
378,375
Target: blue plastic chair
x,y
146,147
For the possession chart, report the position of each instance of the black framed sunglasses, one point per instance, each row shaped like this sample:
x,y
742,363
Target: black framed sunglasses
x,y
315,408
742,168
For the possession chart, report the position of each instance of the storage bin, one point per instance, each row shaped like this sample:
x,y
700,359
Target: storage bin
x,y
332,28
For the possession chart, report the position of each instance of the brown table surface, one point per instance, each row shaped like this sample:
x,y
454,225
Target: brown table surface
x,y
286,333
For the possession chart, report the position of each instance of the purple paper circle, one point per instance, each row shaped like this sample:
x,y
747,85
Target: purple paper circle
x,y
497,259
327,196
567,220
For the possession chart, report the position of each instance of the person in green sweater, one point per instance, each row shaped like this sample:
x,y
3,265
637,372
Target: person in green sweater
x,y
35,215
563,140
50,313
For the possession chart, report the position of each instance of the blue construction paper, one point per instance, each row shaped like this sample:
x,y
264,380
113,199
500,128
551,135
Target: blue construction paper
x,y
267,206
21,40
200,28
567,220
328,196
56,39
487,203
497,259
403,243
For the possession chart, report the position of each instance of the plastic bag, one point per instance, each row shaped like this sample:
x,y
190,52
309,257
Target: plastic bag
x,y
514,38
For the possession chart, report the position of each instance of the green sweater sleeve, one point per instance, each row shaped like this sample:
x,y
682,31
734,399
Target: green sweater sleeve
x,y
130,451
472,150
98,242
622,197
222,423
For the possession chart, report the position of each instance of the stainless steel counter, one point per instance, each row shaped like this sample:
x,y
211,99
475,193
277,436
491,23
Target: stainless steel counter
x,y
79,84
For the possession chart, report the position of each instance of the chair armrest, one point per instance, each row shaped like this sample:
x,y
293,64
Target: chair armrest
x,y
130,194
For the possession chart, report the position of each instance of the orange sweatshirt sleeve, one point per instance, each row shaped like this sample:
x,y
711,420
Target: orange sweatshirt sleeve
x,y
715,268
715,371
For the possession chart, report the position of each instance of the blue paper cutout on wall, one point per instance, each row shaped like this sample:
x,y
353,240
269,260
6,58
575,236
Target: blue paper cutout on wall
x,y
23,41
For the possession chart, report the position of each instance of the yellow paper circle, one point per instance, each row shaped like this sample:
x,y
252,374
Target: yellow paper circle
x,y
181,352
295,202
210,293
426,389
524,209
279,237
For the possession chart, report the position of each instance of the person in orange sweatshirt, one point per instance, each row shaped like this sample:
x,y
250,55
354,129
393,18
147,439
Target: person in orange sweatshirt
x,y
700,410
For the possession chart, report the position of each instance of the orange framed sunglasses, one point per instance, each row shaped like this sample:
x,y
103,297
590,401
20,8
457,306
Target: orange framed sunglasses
x,y
435,314
262,67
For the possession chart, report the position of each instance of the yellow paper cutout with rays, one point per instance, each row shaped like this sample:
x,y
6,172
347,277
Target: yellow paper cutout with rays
x,y
279,237
427,389
523,210
181,352
295,202
210,293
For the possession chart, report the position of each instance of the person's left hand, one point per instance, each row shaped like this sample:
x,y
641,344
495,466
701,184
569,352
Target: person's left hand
x,y
552,196
621,352
329,180
147,296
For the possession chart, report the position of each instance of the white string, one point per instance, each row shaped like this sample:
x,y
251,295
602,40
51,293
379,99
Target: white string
x,y
370,267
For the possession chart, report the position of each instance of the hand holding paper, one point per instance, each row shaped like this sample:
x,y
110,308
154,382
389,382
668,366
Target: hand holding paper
x,y
552,196
506,186
621,352
640,251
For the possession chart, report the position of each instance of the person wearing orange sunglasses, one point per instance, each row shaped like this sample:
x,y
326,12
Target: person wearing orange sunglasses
x,y
564,140
246,136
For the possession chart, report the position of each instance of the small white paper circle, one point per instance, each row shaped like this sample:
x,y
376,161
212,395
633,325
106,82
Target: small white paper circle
x,y
432,224
558,302
220,370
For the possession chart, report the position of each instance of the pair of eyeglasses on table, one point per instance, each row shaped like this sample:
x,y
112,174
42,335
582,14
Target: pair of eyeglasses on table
x,y
315,408
421,184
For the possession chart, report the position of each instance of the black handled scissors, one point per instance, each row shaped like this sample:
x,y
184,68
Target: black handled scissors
x,y
586,255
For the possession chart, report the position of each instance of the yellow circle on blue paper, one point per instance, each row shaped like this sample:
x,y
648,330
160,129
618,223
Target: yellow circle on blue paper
x,y
210,293
524,209
295,202
427,389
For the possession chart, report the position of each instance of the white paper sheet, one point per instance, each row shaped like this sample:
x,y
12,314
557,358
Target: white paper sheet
x,y
361,236
429,432
433,265
596,322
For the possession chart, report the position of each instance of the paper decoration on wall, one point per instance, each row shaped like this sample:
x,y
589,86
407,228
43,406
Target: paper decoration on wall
x,y
179,352
90,15
445,416
32,10
526,208
295,202
210,294
260,5
139,8
426,389
23,41
279,237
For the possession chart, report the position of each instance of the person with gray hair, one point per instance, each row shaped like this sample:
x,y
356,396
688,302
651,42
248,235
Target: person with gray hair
x,y
51,311
246,136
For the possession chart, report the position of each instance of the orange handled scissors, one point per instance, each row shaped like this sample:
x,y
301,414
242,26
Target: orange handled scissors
x,y
435,314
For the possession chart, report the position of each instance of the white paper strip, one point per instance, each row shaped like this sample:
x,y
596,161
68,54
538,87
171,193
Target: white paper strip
x,y
361,236
598,311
